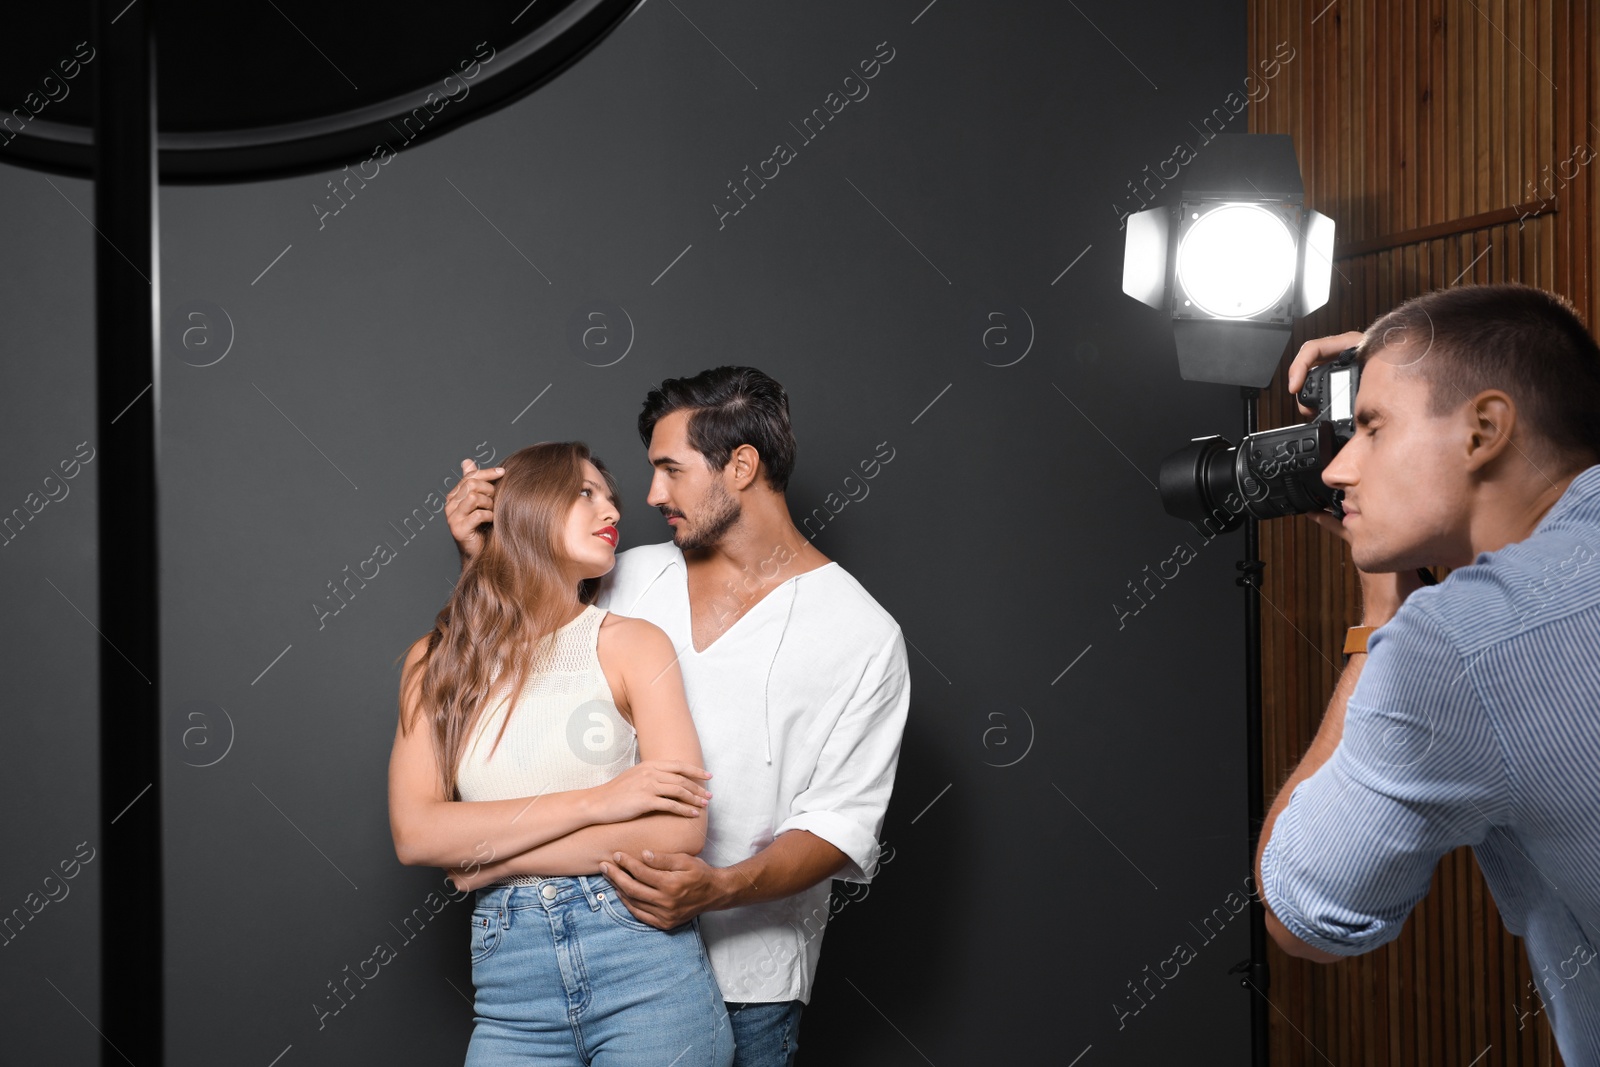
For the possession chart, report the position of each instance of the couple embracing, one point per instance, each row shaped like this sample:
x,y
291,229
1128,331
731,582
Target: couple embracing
x,y
704,733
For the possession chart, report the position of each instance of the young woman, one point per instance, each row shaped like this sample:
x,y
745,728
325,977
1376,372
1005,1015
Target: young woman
x,y
596,754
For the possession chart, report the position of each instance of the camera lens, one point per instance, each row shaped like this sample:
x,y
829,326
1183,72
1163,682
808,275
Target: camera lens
x,y
1195,480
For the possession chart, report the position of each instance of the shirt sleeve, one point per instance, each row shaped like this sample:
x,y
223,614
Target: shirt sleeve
x,y
1418,772
848,793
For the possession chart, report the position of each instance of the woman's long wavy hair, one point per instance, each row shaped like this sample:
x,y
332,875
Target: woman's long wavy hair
x,y
508,601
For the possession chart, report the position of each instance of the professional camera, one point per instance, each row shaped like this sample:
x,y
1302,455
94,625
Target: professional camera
x,y
1271,473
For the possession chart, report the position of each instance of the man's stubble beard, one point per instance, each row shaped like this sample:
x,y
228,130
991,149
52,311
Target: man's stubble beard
x,y
722,511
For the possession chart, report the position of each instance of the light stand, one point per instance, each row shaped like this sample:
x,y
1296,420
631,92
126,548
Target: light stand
x,y
1255,970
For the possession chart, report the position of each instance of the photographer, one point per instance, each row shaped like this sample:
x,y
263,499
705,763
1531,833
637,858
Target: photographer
x,y
1469,711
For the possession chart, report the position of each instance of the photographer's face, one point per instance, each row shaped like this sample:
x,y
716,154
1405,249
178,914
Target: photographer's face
x,y
694,498
1405,483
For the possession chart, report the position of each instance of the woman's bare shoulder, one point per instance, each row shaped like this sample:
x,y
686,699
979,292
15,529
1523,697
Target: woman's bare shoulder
x,y
634,640
630,634
632,648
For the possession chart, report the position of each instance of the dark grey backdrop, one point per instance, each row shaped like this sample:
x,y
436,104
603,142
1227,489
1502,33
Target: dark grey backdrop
x,y
938,270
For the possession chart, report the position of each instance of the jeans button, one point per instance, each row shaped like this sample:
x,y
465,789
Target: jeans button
x,y
549,892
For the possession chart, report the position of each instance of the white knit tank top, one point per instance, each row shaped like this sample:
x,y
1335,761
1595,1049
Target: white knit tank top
x,y
565,731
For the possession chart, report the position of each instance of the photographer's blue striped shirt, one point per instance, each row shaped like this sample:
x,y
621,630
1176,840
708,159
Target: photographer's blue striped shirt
x,y
1475,721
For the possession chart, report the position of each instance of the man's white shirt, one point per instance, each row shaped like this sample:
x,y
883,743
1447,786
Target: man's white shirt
x,y
800,704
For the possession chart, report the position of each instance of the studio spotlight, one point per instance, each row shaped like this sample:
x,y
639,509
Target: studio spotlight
x,y
1235,261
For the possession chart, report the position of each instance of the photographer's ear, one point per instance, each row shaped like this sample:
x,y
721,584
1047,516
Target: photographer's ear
x,y
1491,418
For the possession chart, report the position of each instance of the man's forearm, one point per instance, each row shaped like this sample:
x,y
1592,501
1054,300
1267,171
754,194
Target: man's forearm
x,y
1381,596
1322,746
795,861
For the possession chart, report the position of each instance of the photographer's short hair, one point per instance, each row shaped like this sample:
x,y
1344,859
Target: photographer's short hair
x,y
729,407
1516,338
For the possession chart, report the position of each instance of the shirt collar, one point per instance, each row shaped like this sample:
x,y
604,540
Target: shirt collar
x,y
1580,501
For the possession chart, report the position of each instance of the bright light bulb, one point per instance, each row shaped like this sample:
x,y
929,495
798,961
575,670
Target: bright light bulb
x,y
1237,261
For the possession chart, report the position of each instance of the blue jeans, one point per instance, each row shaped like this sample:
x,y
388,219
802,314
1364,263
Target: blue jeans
x,y
765,1035
565,975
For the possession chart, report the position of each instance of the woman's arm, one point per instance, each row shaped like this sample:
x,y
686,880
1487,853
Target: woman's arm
x,y
646,681
583,850
432,831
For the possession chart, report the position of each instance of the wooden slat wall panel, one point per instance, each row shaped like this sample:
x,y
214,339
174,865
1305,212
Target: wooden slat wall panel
x,y
1407,113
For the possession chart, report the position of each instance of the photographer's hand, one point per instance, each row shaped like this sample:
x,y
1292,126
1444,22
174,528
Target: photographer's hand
x,y
1313,352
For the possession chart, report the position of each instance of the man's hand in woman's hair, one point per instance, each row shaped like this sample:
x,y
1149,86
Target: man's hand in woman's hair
x,y
469,505
671,786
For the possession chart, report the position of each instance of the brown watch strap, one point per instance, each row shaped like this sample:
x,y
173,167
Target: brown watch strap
x,y
1355,639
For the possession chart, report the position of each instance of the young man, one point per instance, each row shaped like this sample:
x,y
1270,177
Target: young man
x,y
1471,715
797,682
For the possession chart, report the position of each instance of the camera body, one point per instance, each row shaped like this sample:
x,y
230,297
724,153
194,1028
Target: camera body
x,y
1215,485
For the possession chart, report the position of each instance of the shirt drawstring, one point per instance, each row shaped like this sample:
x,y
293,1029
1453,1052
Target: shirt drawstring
x,y
766,694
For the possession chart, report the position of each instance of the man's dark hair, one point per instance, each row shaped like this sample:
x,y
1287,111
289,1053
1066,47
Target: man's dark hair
x,y
728,407
1529,343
